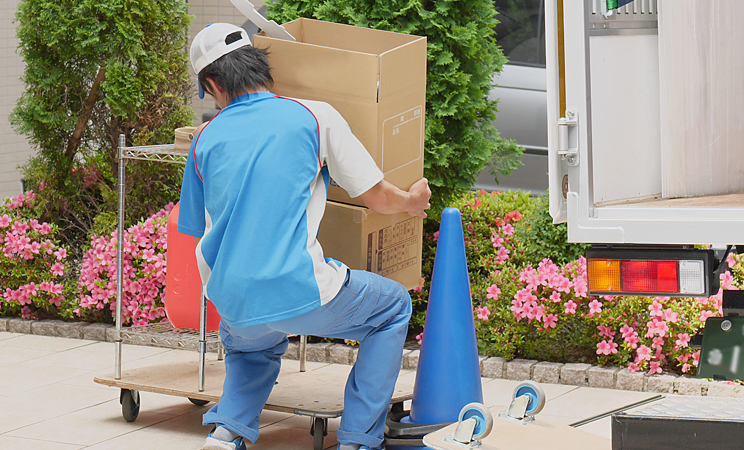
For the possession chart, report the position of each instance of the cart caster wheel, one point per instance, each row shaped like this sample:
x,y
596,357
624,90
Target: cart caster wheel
x,y
535,393
198,402
319,429
482,416
130,404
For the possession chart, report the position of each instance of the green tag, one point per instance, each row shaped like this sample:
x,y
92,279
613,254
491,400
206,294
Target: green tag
x,y
722,354
611,4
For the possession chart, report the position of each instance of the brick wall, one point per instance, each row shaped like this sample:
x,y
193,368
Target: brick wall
x,y
14,149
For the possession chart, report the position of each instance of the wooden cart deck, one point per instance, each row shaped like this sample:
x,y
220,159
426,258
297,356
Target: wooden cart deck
x,y
318,392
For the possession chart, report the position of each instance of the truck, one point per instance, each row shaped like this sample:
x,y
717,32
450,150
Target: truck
x,y
646,164
646,125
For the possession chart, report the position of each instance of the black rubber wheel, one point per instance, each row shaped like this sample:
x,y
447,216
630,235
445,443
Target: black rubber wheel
x,y
198,402
319,430
130,404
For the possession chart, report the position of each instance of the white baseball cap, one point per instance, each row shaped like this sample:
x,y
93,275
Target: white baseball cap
x,y
209,45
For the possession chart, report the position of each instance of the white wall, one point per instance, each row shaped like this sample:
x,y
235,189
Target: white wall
x,y
14,149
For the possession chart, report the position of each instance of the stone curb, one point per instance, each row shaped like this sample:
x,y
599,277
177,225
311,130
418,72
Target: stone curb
x,y
495,367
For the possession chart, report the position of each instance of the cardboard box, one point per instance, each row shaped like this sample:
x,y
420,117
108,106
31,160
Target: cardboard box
x,y
375,79
389,245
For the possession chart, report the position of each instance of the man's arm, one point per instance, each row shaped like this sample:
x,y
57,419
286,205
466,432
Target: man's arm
x,y
385,198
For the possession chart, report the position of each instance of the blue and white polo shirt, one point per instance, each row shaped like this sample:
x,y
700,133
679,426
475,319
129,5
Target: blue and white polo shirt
x,y
254,189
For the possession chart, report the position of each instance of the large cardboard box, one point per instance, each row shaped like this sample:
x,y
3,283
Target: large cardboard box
x,y
375,79
389,245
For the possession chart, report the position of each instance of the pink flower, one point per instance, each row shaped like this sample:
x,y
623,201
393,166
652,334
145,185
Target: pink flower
x,y
633,367
58,269
61,254
507,229
4,221
420,338
493,292
656,309
570,307
418,289
671,316
704,315
683,339
644,353
550,320
483,313
657,327
595,307
606,348
655,367
606,332
726,280
626,331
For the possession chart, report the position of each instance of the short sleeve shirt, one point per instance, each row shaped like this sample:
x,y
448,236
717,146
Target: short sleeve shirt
x,y
254,189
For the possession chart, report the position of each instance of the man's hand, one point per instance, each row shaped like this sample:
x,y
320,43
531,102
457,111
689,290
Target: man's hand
x,y
385,198
420,195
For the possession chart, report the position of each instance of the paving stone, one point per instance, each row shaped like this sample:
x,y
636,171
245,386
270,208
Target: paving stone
x,y
340,354
293,351
494,367
16,325
72,330
44,327
111,334
574,374
355,353
689,386
547,372
602,377
318,352
96,331
520,369
663,384
4,323
628,381
410,360
723,389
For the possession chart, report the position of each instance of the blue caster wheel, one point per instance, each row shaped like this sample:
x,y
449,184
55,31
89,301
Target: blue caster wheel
x,y
483,417
535,394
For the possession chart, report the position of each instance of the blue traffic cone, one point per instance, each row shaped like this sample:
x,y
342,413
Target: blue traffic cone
x,y
448,375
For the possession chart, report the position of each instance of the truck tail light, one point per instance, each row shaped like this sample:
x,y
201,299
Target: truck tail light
x,y
650,272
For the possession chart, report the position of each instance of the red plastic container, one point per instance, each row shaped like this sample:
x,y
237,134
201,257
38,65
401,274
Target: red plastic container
x,y
183,284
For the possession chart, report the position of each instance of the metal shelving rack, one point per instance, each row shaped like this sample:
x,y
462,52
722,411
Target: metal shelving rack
x,y
161,334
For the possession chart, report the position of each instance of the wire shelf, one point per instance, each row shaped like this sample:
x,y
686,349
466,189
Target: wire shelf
x,y
165,335
162,153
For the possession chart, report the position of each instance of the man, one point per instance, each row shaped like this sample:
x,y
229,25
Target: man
x,y
254,193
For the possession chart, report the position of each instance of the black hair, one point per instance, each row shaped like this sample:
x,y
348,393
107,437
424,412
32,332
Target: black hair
x,y
243,69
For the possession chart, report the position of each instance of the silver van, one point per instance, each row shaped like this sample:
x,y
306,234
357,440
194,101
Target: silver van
x,y
521,90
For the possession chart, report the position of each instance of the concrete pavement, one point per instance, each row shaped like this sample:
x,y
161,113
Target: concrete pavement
x,y
51,402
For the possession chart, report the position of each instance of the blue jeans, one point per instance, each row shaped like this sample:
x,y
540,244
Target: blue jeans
x,y
370,309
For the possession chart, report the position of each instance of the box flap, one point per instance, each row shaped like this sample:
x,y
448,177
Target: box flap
x,y
349,37
329,72
394,81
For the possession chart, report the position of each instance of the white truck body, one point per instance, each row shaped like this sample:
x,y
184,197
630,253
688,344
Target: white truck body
x,y
641,103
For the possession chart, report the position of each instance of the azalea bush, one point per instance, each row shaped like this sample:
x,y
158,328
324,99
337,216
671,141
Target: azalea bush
x,y
32,263
532,308
144,272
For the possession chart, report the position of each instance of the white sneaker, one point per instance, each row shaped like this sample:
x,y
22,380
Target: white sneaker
x,y
216,444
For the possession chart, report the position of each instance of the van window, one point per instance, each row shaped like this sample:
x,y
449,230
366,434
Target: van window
x,y
521,31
